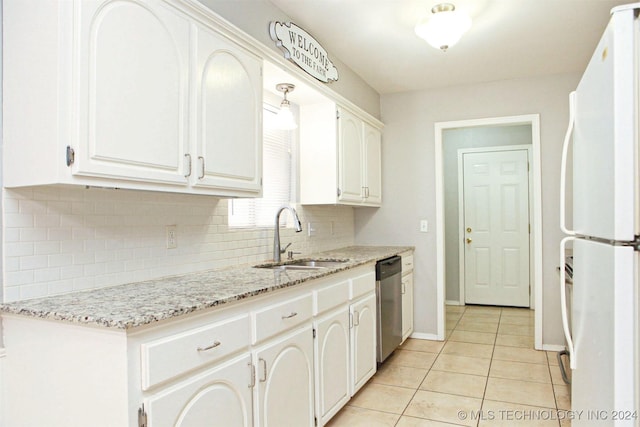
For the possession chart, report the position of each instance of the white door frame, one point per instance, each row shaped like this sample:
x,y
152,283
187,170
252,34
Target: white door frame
x,y
536,224
461,247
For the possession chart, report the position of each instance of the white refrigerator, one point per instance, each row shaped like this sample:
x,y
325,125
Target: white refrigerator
x,y
602,335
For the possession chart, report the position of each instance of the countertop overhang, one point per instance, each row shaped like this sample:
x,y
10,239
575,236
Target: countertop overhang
x,y
136,304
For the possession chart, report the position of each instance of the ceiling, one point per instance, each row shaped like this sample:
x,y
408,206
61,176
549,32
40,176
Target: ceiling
x,y
508,39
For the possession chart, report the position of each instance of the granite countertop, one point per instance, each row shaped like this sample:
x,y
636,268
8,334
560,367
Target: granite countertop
x,y
137,304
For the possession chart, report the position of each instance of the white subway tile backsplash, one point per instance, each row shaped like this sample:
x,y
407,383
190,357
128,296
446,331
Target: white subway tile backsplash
x,y
64,239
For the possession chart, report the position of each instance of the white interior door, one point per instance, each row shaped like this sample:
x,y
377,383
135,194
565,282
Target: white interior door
x,y
496,227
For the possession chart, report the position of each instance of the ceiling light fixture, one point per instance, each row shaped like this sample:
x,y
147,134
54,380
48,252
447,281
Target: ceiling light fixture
x,y
444,28
284,118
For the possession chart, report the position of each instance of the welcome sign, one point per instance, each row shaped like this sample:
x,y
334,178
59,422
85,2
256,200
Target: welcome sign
x,y
303,50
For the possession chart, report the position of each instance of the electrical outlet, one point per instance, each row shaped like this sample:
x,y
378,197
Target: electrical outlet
x,y
310,230
172,236
424,226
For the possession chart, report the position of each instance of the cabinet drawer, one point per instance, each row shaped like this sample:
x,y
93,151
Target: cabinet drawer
x,y
331,296
169,357
407,263
362,285
278,318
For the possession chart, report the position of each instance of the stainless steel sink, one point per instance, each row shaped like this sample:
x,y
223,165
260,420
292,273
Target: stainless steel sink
x,y
304,264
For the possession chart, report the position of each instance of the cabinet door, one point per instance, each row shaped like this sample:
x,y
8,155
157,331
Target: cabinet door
x,y
332,363
350,158
284,393
228,85
363,341
133,89
373,165
218,397
407,305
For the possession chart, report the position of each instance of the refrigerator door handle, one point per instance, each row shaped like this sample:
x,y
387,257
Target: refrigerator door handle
x,y
563,167
563,302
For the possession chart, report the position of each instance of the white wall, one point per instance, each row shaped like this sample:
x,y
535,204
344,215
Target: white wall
x,y
409,181
61,240
253,17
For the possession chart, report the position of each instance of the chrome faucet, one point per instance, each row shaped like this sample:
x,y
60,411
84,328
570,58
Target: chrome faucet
x,y
276,235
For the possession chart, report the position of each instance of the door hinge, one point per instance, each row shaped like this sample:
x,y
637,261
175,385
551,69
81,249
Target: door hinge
x,y
70,155
529,228
315,421
142,417
337,114
314,332
339,192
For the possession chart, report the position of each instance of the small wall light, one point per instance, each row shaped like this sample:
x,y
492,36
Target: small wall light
x,y
284,118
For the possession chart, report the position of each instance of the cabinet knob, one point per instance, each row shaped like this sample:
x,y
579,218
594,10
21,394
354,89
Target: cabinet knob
x,y
469,240
468,229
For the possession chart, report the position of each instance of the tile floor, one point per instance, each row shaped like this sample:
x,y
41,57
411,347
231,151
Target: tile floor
x,y
485,373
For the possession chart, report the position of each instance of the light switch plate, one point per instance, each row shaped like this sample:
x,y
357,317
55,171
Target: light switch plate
x,y
424,226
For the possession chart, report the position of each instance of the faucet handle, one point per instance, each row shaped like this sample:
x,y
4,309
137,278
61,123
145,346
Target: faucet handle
x,y
283,250
291,253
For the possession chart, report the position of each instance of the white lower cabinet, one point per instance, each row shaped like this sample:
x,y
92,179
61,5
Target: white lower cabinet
x,y
407,305
363,341
292,357
284,388
332,352
219,397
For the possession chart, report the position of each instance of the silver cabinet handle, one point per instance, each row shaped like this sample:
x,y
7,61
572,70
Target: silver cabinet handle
x,y
289,316
252,373
403,289
187,160
202,165
356,318
209,347
264,370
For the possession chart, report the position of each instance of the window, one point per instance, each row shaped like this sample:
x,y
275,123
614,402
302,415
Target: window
x,y
278,174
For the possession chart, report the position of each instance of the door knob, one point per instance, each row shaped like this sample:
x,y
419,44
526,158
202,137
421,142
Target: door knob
x,y
469,241
468,229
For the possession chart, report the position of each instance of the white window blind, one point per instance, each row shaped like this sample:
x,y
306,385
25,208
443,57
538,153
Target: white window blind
x,y
278,167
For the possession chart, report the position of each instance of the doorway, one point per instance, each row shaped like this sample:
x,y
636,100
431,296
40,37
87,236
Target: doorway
x,y
494,206
533,122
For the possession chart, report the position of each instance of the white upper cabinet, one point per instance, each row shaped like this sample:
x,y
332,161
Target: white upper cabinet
x,y
139,94
229,107
133,81
340,157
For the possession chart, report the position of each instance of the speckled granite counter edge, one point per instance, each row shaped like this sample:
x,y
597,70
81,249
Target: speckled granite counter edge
x,y
141,303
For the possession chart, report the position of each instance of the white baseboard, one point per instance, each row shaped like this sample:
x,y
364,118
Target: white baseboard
x,y
3,354
553,347
452,302
423,336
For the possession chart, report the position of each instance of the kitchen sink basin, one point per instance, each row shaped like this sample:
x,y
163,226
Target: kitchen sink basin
x,y
304,264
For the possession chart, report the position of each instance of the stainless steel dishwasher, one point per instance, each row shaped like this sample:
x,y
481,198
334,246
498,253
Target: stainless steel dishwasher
x,y
389,299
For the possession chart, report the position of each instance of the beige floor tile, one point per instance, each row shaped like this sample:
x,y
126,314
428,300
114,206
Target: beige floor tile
x,y
455,383
514,341
455,309
442,407
483,309
468,349
556,375
401,376
412,359
523,392
473,337
552,357
509,414
563,396
453,316
406,421
517,320
515,354
350,416
517,312
422,345
520,371
477,326
462,364
451,323
492,316
382,397
506,329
